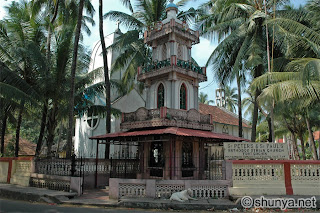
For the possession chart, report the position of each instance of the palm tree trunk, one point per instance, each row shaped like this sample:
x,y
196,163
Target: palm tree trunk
x,y
255,116
42,129
295,147
72,86
59,139
50,33
267,36
239,105
3,130
303,151
16,150
48,58
270,128
106,77
51,126
257,72
294,139
272,123
311,140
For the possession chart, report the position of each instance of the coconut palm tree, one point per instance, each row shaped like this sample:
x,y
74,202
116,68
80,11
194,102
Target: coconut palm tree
x,y
20,34
286,87
58,14
300,79
13,90
243,26
203,98
25,55
231,98
242,48
73,73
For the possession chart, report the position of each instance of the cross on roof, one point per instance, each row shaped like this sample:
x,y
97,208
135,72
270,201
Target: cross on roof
x,y
118,23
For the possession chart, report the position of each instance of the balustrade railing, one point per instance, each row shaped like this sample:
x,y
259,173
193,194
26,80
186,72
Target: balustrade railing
x,y
257,173
190,66
305,173
143,114
177,114
201,189
161,30
62,167
205,118
291,177
149,114
155,65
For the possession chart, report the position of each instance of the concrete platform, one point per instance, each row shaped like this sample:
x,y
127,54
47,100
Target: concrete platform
x,y
17,192
100,198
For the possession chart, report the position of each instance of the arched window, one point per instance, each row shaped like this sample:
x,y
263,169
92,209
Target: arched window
x,y
225,129
180,52
164,52
160,96
183,97
92,118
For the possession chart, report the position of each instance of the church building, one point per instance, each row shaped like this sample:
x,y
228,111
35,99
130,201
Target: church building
x,y
170,97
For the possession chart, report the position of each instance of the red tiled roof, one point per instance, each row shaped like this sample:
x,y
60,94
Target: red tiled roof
x,y
25,147
220,115
316,135
173,131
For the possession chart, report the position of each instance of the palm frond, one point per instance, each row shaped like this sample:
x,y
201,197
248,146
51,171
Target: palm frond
x,y
127,20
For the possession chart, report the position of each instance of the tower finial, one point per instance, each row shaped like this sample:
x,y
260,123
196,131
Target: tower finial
x,y
118,23
171,1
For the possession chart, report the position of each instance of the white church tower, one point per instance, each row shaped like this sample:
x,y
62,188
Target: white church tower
x,y
172,78
220,97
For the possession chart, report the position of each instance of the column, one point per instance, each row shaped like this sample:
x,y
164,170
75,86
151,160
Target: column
x,y
201,160
177,163
167,155
196,158
173,95
147,88
195,90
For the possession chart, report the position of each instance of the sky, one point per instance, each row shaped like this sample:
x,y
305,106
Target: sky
x,y
200,52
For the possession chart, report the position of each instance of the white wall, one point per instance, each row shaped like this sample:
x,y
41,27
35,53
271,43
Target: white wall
x,y
232,130
172,94
96,61
86,147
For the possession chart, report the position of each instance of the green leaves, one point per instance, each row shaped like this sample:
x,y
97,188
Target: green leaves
x,y
130,21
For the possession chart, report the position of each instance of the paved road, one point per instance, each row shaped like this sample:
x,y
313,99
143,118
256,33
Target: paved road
x,y
7,206
13,206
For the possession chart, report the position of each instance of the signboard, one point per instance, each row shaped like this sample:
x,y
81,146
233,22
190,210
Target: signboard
x,y
255,150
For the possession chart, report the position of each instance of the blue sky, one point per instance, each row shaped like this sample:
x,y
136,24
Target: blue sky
x,y
200,52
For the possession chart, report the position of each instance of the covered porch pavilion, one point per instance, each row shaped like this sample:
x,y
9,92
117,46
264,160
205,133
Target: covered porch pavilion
x,y
170,153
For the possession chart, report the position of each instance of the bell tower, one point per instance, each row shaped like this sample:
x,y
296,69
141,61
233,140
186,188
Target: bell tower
x,y
172,77
220,97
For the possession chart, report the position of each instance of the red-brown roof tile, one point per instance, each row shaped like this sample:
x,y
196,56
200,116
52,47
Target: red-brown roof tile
x,y
316,135
220,115
173,131
25,147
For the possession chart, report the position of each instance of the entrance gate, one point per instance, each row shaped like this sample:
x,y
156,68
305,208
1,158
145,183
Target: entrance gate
x,y
214,162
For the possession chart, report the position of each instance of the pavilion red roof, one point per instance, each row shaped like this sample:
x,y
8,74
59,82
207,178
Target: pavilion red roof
x,y
172,131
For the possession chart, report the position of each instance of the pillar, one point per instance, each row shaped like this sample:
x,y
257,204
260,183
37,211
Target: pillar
x,y
201,160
